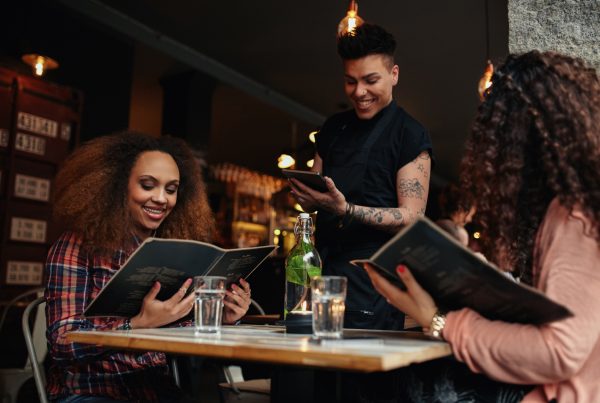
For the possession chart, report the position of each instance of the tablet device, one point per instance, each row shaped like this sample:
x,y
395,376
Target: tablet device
x,y
309,178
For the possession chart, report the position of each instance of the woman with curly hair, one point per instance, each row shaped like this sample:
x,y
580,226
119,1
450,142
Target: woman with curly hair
x,y
111,194
532,167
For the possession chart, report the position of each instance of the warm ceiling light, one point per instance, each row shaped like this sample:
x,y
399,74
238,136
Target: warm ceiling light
x,y
351,21
285,161
39,63
310,163
485,81
476,235
311,136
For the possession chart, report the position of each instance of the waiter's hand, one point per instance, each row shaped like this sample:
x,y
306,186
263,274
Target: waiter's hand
x,y
333,200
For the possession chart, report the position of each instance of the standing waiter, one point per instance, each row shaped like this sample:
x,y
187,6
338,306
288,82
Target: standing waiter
x,y
376,159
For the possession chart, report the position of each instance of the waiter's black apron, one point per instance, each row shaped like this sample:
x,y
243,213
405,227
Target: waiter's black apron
x,y
365,308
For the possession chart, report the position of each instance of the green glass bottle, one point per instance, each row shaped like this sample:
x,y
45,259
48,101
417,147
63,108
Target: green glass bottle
x,y
302,263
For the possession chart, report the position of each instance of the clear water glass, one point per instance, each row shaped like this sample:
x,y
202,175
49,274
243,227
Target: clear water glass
x,y
208,306
328,306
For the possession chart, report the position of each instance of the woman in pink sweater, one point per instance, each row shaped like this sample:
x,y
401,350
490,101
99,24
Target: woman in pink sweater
x,y
532,168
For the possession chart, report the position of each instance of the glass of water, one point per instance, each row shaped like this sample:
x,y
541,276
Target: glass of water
x,y
208,306
328,306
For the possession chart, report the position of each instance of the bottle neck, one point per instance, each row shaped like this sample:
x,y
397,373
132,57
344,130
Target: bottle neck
x,y
305,237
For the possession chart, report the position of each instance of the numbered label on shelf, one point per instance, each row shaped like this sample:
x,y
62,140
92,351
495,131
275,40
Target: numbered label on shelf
x,y
3,138
24,273
30,144
28,230
31,187
37,124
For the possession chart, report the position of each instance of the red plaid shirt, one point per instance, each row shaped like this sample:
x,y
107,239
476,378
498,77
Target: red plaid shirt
x,y
74,280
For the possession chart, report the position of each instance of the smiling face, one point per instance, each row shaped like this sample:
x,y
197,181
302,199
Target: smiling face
x,y
368,83
152,190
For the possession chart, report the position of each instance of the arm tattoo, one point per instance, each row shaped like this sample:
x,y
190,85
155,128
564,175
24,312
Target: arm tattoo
x,y
390,218
411,188
383,217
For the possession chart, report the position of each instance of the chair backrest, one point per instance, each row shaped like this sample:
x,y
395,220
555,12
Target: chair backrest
x,y
36,344
12,302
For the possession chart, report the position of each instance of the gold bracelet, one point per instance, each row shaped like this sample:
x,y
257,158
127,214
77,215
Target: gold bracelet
x,y
437,326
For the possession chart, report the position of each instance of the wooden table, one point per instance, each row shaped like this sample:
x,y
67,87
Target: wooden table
x,y
370,351
305,369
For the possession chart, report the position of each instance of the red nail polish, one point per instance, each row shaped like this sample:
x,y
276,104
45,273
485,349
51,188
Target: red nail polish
x,y
401,269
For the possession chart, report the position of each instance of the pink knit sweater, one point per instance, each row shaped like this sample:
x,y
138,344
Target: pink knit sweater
x,y
563,357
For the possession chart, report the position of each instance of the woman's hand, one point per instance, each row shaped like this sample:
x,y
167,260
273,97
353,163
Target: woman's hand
x,y
237,302
333,200
155,313
415,301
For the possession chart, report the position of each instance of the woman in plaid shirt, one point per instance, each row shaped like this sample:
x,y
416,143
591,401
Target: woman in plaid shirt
x,y
111,194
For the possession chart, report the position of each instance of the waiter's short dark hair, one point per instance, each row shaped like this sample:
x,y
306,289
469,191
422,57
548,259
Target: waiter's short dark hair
x,y
367,39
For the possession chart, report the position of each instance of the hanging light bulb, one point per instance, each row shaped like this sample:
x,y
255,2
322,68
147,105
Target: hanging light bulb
x,y
485,81
351,21
311,136
310,163
39,63
285,161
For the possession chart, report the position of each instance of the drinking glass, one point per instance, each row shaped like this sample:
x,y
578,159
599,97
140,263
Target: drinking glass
x,y
328,306
208,306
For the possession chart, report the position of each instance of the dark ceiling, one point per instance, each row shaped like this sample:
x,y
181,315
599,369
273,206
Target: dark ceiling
x,y
289,48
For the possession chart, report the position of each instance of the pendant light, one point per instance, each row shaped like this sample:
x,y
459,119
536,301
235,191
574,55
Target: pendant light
x,y
39,63
351,21
485,81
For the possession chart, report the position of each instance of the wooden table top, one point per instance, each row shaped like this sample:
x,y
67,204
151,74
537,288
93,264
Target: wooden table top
x,y
360,350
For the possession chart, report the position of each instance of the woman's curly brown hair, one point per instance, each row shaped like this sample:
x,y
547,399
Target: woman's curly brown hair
x,y
536,137
91,191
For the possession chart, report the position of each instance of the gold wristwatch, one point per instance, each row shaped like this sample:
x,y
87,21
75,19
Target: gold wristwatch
x,y
437,325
